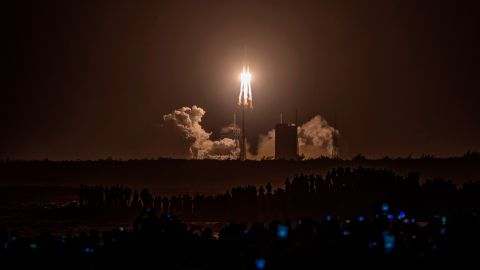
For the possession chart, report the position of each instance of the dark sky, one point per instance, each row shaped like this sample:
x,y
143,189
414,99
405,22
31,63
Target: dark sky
x,y
91,80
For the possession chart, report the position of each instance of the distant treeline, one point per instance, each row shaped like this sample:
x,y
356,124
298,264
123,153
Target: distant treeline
x,y
213,176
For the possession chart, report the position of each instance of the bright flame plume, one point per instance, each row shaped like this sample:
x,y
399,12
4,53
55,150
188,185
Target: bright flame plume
x,y
245,97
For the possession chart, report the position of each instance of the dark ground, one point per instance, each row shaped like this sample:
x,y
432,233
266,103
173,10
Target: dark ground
x,y
34,194
213,176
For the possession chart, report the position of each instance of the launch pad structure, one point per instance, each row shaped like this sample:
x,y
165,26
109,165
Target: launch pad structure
x,y
286,140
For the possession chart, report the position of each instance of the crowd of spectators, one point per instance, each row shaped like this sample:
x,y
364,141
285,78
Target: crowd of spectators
x,y
398,223
386,240
342,190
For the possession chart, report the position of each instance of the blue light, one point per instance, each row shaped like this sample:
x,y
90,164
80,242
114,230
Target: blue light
x,y
401,215
88,250
372,245
328,217
346,233
361,218
388,241
385,207
260,263
390,217
443,230
63,239
282,231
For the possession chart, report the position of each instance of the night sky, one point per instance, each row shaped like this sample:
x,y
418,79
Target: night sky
x,y
88,80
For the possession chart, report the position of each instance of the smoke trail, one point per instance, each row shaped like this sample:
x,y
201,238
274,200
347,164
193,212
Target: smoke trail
x,y
315,139
187,121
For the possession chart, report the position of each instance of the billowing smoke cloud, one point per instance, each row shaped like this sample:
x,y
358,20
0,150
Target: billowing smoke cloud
x,y
187,122
230,130
315,139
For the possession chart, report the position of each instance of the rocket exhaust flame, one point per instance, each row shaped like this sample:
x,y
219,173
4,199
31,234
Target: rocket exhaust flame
x,y
245,97
245,101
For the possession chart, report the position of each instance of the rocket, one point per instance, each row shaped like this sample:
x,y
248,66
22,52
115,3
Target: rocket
x,y
245,97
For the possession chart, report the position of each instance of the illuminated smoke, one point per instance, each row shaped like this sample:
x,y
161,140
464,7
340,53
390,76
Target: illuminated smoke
x,y
187,121
315,139
230,130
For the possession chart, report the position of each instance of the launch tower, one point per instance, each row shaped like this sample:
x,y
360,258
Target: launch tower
x,y
286,142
